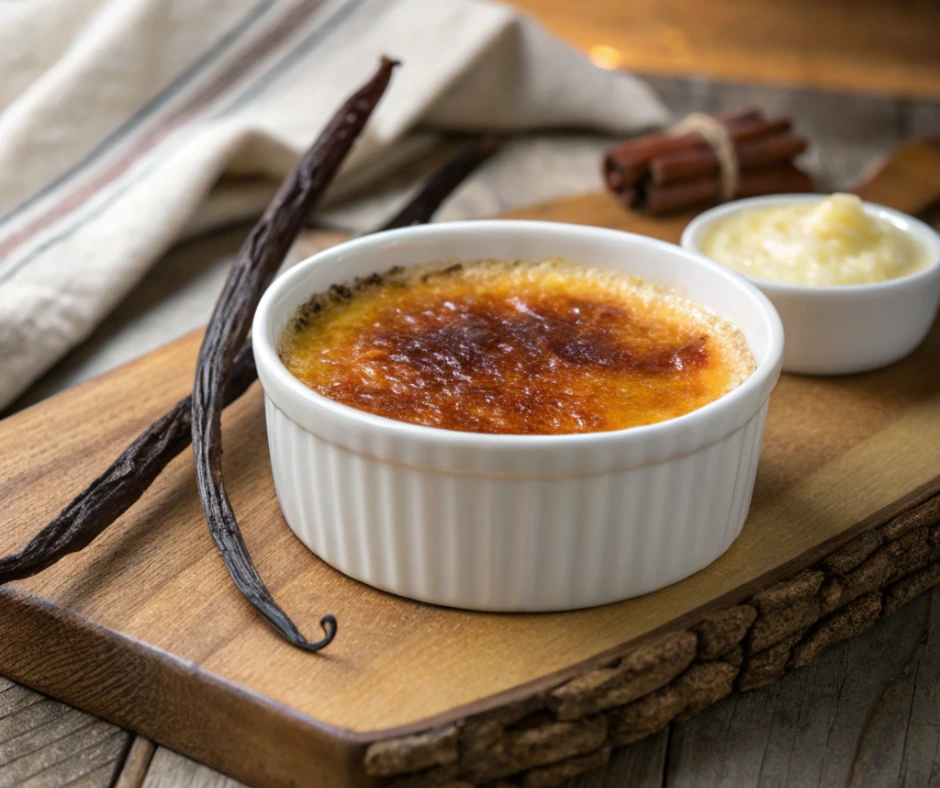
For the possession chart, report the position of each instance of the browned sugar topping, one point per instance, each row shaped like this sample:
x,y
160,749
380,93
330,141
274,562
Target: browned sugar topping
x,y
507,347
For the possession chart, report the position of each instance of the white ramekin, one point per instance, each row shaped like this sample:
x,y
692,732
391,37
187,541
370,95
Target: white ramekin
x,y
844,329
512,522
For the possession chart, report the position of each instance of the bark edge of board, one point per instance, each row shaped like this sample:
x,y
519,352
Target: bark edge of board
x,y
556,733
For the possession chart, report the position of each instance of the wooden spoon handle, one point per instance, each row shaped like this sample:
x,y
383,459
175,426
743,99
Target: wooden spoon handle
x,y
907,179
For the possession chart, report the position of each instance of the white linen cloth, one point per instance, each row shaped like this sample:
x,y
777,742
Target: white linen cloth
x,y
117,120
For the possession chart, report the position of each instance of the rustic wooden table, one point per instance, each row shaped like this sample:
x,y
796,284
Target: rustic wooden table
x,y
867,713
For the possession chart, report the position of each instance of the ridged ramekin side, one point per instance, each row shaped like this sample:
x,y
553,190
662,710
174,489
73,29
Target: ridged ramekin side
x,y
503,543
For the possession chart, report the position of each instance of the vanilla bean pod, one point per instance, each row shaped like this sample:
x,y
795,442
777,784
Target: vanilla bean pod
x,y
254,268
119,487
103,501
445,180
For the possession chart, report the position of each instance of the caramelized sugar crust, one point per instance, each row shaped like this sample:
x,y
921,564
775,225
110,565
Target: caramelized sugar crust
x,y
545,347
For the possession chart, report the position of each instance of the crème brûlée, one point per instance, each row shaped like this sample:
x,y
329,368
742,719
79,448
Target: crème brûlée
x,y
514,347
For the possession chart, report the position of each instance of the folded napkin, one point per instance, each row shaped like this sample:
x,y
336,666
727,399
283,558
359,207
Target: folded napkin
x,y
118,119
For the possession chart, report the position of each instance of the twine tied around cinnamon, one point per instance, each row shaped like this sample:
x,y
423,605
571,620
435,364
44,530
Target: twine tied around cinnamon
x,y
716,135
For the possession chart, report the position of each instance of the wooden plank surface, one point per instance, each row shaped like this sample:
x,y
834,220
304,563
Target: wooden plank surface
x,y
850,131
864,714
169,770
136,764
837,453
823,437
44,742
867,45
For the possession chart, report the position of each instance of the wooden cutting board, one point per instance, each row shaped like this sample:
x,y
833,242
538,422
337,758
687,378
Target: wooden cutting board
x,y
145,629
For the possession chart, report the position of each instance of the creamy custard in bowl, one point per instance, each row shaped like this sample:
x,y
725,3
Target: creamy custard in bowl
x,y
494,346
829,242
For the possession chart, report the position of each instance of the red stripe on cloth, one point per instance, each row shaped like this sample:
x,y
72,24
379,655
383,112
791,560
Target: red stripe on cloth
x,y
224,81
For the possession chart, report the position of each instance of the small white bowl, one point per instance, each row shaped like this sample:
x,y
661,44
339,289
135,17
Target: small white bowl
x,y
515,522
844,329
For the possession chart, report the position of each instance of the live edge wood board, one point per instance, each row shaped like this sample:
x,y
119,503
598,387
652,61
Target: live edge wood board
x,y
145,629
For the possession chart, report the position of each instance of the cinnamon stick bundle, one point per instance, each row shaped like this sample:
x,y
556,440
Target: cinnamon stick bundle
x,y
660,173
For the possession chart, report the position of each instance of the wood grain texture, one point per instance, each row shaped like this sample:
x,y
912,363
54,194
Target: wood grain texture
x,y
676,675
638,766
170,769
136,764
869,45
44,742
864,714
155,579
857,716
